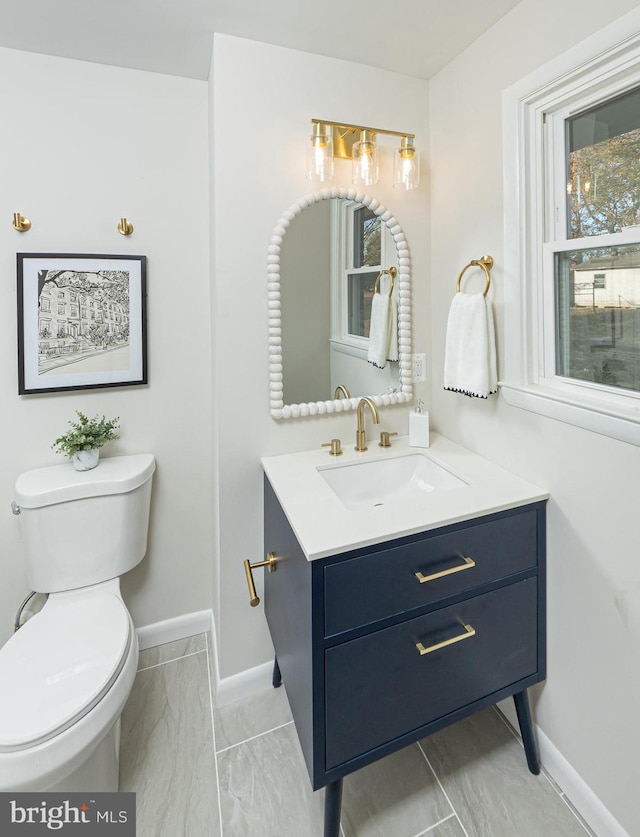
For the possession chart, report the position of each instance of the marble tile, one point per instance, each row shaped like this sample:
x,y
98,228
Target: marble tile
x,y
171,651
397,796
167,754
265,789
253,716
483,770
448,828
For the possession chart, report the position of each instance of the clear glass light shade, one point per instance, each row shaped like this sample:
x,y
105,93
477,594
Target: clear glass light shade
x,y
406,166
365,160
320,154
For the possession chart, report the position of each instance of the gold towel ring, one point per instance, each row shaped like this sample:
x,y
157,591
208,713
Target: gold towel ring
x,y
486,263
392,273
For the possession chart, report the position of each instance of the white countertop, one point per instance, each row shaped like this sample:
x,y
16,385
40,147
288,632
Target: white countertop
x,y
324,526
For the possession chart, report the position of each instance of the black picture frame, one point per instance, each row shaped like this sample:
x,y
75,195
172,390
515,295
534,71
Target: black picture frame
x,y
81,321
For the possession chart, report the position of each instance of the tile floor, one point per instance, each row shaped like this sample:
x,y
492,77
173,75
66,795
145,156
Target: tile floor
x,y
239,772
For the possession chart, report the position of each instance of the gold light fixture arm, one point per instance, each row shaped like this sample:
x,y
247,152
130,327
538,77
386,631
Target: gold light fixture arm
x,y
345,135
271,561
348,127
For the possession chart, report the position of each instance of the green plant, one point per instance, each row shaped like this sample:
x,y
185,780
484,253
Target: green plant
x,y
87,434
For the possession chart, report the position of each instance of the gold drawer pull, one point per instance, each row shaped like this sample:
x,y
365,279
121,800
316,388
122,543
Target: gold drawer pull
x,y
468,563
271,561
469,632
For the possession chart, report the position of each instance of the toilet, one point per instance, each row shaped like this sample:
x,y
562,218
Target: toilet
x,y
67,672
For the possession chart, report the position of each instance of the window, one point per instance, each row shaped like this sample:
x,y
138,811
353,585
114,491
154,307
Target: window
x,y
598,327
364,248
572,143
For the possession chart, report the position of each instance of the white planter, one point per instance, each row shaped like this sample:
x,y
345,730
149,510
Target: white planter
x,y
85,460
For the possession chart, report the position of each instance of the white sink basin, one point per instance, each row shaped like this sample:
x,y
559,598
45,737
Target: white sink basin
x,y
392,479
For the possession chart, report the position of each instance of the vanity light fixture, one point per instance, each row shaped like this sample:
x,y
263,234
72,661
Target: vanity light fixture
x,y
358,143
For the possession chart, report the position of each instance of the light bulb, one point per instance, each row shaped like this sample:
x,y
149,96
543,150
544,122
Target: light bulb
x,y
406,168
365,160
320,153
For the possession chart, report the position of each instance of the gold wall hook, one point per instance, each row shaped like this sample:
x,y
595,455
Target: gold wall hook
x,y
125,227
21,223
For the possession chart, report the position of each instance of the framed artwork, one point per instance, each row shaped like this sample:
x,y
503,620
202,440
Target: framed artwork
x,y
81,322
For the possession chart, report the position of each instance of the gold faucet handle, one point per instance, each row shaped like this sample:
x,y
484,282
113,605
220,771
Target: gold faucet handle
x,y
335,445
385,441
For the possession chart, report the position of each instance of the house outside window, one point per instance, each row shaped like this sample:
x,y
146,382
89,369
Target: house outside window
x,y
573,235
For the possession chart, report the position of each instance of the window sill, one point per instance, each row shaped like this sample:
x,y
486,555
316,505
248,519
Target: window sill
x,y
349,349
556,405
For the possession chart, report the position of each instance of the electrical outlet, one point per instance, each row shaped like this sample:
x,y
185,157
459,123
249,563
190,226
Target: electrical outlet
x,y
419,362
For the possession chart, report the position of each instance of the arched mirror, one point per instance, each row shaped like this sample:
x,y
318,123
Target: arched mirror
x,y
330,342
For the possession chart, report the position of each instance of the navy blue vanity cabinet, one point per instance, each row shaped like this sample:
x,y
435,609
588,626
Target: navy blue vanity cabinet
x,y
381,646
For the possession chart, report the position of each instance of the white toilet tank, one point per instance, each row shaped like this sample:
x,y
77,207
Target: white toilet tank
x,y
84,527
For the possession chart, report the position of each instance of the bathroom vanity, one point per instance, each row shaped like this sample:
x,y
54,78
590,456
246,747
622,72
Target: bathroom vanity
x,y
396,617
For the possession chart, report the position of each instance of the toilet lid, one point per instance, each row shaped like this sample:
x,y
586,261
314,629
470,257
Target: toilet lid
x,y
58,666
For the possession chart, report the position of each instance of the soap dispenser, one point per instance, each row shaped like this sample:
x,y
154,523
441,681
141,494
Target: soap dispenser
x,y
419,427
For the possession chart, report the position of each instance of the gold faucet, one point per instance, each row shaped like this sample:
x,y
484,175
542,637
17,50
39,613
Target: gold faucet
x,y
361,441
341,388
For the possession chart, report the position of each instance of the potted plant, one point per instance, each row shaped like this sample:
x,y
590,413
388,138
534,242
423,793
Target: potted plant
x,y
83,442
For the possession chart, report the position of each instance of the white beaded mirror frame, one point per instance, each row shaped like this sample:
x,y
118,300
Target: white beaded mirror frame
x,y
280,410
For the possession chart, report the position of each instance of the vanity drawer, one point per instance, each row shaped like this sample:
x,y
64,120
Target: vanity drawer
x,y
363,590
380,687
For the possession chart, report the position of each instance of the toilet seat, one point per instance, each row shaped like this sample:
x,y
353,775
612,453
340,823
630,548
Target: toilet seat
x,y
60,664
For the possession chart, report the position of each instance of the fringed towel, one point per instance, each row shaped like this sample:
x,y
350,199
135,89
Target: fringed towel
x,y
383,329
470,352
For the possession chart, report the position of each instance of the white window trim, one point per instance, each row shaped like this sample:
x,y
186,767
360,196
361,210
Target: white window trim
x,y
342,234
599,65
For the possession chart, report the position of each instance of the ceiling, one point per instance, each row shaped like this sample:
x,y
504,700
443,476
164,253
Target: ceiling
x,y
414,37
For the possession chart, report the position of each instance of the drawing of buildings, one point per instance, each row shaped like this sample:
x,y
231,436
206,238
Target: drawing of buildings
x,y
72,321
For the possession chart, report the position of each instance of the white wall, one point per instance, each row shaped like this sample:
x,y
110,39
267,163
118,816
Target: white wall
x,y
83,145
305,269
588,706
262,100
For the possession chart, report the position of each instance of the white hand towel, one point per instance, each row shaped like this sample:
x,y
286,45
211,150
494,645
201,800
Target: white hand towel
x,y
392,351
379,330
470,351
383,328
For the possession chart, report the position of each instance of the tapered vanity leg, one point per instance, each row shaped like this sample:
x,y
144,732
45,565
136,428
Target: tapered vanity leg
x,y
332,808
521,700
277,677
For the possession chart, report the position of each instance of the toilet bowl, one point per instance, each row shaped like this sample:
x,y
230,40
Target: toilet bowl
x,y
68,671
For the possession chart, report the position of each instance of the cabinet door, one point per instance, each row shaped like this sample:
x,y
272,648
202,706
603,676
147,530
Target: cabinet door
x,y
361,591
388,683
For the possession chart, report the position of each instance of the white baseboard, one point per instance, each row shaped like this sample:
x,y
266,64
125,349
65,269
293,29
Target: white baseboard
x,y
225,690
599,819
577,791
179,627
243,685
